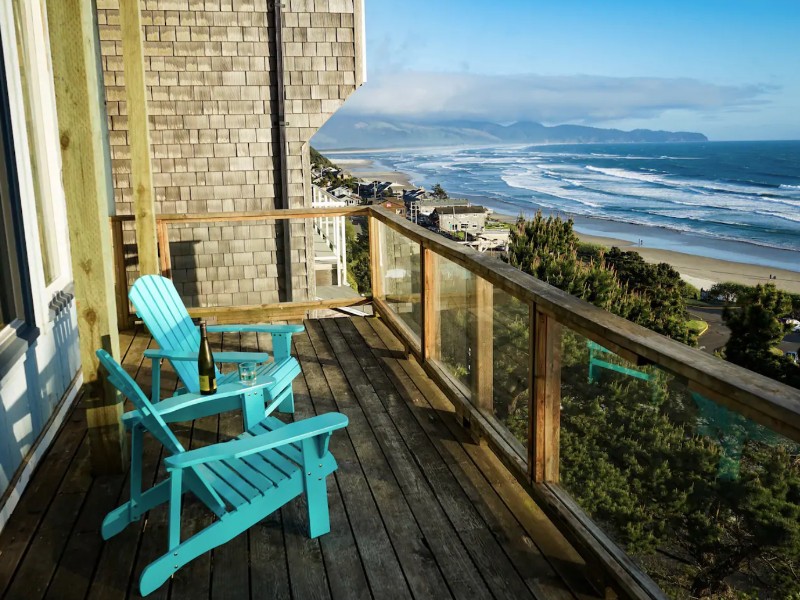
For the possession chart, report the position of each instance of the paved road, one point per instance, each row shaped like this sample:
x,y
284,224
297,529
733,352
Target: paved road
x,y
717,334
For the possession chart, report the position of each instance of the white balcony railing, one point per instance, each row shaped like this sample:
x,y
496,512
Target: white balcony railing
x,y
332,232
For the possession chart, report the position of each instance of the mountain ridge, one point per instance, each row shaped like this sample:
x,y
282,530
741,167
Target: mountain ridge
x,y
346,131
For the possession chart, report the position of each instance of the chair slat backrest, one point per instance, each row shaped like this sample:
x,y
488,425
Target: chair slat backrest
x,y
153,423
150,419
160,307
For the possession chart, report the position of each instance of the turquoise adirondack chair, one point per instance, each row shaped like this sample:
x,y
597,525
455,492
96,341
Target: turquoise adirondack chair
x,y
161,309
241,481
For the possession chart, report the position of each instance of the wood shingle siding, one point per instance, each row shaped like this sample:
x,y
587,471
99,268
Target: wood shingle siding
x,y
236,89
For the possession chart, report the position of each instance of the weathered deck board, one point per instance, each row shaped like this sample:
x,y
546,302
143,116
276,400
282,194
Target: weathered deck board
x,y
484,467
417,509
376,551
536,571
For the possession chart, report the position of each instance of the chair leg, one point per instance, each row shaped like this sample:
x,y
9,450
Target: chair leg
x,y
119,518
315,485
319,519
216,534
253,408
164,567
287,404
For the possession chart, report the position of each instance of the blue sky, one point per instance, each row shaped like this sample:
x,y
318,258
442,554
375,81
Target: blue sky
x,y
730,69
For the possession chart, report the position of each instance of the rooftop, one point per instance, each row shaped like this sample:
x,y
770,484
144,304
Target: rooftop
x,y
460,210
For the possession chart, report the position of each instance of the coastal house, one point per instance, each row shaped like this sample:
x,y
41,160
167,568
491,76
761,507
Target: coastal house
x,y
171,137
790,345
397,189
426,206
470,219
340,192
346,195
373,190
490,239
414,194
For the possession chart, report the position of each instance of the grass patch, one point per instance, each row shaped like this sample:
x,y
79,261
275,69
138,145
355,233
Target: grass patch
x,y
697,326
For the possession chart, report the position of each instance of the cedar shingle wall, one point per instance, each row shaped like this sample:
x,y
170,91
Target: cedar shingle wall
x,y
215,110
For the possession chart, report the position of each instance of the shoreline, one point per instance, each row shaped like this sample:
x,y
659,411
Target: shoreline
x,y
363,168
660,244
699,271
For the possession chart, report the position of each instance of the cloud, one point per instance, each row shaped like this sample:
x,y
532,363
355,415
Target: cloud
x,y
549,99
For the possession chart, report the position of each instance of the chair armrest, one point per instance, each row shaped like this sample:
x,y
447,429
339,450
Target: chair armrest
x,y
290,434
176,355
255,328
219,357
178,403
241,357
281,335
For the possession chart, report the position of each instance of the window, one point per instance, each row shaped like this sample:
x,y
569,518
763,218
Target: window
x,y
33,59
16,316
10,301
464,226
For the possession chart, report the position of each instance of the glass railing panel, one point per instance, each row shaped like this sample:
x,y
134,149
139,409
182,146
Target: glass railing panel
x,y
511,363
457,318
704,500
357,257
400,271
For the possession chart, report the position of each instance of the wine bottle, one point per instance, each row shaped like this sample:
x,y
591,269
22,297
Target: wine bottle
x,y
205,364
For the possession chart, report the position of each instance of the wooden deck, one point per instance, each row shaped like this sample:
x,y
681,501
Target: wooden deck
x,y
417,509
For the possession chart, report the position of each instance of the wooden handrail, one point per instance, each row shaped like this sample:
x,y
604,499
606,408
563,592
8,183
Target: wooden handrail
x,y
226,314
259,215
757,397
764,400
536,467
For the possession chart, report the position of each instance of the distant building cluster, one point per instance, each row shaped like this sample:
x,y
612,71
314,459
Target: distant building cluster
x,y
457,218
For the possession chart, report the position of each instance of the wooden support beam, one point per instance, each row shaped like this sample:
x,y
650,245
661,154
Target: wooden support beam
x,y
267,313
430,305
139,136
483,355
165,258
545,402
124,320
376,274
85,160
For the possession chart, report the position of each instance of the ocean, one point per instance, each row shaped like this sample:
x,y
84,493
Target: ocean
x,y
718,199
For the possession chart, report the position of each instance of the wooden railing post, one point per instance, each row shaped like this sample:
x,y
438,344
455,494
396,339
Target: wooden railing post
x,y
139,136
164,256
124,320
545,397
430,305
483,356
376,276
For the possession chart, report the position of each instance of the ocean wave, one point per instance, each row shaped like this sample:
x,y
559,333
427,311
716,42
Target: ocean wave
x,y
634,157
625,174
541,187
722,203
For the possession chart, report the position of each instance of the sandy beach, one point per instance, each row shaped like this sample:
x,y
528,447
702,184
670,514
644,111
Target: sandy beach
x,y
704,272
700,271
365,169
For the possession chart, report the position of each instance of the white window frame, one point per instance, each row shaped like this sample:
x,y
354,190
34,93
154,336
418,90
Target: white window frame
x,y
43,105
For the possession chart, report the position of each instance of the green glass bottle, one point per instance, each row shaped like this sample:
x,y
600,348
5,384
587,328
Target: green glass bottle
x,y
205,364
